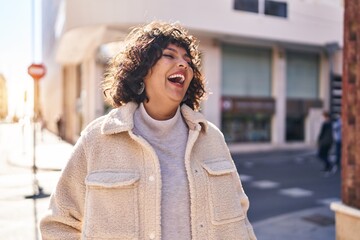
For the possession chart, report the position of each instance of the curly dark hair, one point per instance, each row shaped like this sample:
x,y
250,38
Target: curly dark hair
x,y
143,48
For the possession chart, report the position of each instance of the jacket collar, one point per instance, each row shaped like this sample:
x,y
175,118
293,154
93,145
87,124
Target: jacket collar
x,y
122,119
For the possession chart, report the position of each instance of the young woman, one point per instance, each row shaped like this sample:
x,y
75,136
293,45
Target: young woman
x,y
153,168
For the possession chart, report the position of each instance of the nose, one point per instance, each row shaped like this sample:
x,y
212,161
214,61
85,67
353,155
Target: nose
x,y
182,63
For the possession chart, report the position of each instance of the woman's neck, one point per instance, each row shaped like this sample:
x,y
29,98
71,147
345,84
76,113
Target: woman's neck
x,y
160,112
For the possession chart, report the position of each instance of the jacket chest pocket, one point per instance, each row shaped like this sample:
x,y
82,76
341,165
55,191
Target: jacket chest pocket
x,y
224,199
111,208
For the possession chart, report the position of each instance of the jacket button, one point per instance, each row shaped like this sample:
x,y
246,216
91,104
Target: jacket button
x,y
152,236
151,178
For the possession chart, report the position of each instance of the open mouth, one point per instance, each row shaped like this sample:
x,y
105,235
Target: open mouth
x,y
177,78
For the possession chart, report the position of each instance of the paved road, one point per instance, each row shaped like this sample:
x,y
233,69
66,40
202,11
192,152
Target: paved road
x,y
284,182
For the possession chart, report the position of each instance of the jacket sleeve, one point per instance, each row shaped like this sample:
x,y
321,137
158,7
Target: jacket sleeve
x,y
244,200
65,214
245,203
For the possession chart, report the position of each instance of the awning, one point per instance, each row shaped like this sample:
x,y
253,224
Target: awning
x,y
79,44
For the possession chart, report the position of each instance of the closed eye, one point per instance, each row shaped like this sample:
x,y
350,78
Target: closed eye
x,y
186,58
168,55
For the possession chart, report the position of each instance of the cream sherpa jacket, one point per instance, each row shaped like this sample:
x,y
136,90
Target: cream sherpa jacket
x,y
111,186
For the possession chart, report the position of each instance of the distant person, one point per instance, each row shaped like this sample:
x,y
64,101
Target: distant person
x,y
325,141
338,139
42,122
153,167
60,127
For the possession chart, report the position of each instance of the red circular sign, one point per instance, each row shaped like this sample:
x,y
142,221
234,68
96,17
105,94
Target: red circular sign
x,y
36,71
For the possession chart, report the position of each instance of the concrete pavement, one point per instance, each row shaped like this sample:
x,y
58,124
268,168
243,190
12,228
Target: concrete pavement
x,y
315,224
19,216
51,152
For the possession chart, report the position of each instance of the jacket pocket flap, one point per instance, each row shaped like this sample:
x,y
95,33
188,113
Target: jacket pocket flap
x,y
111,179
219,167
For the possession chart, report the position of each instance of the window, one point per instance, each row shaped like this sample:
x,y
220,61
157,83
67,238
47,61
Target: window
x,y
247,5
302,72
246,94
246,71
302,91
275,8
267,7
247,119
246,128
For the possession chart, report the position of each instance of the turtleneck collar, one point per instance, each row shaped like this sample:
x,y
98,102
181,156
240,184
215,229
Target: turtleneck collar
x,y
121,119
144,123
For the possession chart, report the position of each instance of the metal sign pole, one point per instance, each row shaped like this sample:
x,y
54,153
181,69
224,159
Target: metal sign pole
x,y
38,191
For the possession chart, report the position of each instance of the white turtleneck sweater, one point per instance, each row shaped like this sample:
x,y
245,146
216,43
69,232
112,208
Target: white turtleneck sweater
x,y
169,138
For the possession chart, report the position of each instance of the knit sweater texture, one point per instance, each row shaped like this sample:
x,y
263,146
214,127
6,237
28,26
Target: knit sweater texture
x,y
168,138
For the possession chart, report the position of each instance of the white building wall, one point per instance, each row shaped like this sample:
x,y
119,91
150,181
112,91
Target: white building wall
x,y
91,98
51,87
324,87
279,93
312,125
98,92
211,57
325,19
338,62
310,24
86,98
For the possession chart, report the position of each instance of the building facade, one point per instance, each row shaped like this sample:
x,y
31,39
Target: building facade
x,y
3,98
272,67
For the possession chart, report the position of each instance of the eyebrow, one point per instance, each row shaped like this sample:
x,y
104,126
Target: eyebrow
x,y
173,50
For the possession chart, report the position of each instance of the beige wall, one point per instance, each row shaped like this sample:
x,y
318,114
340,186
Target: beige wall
x,y
71,92
3,98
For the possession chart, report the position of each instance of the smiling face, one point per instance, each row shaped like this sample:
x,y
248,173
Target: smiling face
x,y
167,81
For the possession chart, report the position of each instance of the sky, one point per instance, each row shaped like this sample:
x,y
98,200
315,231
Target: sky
x,y
15,49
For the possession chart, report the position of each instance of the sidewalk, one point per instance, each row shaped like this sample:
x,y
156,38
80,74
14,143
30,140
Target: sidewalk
x,y
315,224
19,213
52,154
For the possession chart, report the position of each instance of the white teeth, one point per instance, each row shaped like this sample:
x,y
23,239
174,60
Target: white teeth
x,y
178,76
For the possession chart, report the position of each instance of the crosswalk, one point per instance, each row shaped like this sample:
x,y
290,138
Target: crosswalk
x,y
293,192
296,192
265,184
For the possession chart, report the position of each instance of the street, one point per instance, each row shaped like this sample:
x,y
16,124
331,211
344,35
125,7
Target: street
x,y
277,182
284,182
